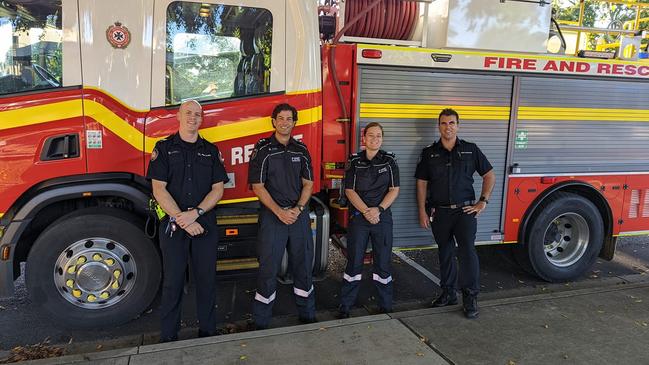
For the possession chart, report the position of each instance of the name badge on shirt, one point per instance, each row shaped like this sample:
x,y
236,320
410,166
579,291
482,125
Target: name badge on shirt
x,y
383,170
295,159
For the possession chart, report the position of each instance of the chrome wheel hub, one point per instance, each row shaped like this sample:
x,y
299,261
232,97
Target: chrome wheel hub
x,y
95,273
566,239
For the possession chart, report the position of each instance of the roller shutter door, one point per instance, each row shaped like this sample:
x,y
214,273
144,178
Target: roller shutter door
x,y
406,102
574,126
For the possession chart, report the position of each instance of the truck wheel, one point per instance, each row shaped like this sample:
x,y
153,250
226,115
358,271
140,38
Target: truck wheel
x,y
93,269
563,239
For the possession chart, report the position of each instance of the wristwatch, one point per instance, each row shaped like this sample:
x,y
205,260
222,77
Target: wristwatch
x,y
483,199
300,207
200,211
381,209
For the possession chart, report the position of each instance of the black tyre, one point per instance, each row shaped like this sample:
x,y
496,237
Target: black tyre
x,y
93,268
563,239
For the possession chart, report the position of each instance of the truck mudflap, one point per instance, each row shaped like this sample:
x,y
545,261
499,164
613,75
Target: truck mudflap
x,y
6,279
8,241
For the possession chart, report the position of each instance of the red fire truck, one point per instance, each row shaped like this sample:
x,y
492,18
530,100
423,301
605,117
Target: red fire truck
x,y
88,86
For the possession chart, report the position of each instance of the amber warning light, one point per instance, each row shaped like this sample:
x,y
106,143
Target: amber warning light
x,y
6,253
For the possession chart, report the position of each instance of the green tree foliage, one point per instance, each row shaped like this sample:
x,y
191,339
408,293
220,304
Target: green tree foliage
x,y
598,12
194,73
569,11
618,14
17,67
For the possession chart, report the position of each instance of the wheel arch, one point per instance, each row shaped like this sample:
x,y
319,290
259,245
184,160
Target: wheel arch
x,y
589,192
43,203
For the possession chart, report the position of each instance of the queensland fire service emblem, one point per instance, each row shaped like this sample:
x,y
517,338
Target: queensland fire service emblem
x,y
118,36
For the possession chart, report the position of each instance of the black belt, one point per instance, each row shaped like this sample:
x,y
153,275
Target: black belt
x,y
457,205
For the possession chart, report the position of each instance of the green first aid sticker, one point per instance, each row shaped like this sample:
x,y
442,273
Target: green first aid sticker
x,y
521,139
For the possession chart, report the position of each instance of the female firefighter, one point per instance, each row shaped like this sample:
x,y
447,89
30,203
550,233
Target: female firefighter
x,y
371,185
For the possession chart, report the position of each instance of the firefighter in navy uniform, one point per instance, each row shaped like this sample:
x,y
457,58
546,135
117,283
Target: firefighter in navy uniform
x,y
281,176
187,177
371,185
445,173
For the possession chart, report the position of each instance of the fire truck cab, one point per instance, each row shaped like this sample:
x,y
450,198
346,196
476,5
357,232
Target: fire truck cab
x,y
88,87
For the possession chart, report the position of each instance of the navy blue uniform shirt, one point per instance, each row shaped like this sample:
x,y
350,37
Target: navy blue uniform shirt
x,y
371,179
189,169
450,173
281,169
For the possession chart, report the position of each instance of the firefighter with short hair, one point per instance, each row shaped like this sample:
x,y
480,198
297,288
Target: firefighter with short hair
x,y
371,185
187,176
446,202
281,176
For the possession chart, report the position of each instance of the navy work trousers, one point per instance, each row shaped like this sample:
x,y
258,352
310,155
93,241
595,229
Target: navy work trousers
x,y
454,223
360,232
176,252
273,239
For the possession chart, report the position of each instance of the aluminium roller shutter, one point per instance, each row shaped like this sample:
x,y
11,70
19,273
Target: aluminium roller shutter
x,y
406,102
581,126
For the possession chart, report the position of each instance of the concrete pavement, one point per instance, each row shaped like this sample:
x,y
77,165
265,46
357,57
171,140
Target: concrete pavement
x,y
605,325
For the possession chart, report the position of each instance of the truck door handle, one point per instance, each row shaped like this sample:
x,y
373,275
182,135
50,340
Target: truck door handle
x,y
60,147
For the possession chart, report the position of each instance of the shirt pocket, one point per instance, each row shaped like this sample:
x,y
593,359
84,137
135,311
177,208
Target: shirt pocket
x,y
383,177
467,163
296,163
467,166
437,168
364,179
176,164
274,165
205,162
203,172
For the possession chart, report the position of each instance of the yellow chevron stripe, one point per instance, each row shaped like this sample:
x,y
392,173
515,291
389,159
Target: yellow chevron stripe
x,y
40,114
106,117
254,126
115,124
423,111
119,101
592,114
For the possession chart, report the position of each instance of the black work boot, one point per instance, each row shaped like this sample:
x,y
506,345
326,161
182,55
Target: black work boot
x,y
342,312
307,320
448,297
168,339
202,334
470,304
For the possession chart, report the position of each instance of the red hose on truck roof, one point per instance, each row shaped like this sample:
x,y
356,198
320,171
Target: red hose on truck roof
x,y
391,19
